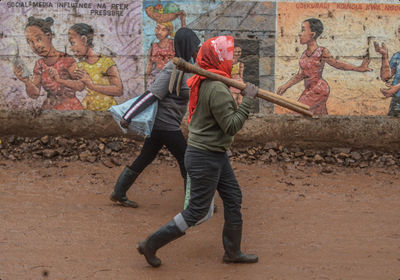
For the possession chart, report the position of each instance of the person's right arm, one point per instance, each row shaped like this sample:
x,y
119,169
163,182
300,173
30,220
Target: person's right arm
x,y
222,106
160,86
157,90
145,100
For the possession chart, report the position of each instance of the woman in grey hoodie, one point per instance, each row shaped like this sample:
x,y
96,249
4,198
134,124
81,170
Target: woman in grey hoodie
x,y
172,105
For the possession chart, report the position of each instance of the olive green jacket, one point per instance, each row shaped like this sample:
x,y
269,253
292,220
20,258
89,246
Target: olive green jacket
x,y
216,118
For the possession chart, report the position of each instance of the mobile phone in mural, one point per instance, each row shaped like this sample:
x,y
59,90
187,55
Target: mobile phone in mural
x,y
49,68
20,65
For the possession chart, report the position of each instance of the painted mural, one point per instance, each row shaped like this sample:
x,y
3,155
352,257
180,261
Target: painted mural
x,y
312,62
340,35
162,50
73,55
237,73
390,73
339,57
70,55
161,19
252,24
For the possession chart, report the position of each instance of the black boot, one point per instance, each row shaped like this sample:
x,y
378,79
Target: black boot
x,y
231,238
161,237
124,182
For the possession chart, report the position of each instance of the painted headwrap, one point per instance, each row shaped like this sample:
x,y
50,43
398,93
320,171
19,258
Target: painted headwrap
x,y
215,55
170,27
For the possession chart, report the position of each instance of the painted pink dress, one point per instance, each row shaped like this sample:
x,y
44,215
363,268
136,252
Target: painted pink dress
x,y
59,97
316,91
160,57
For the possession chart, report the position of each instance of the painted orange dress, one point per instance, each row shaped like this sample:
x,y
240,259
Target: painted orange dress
x,y
59,97
316,91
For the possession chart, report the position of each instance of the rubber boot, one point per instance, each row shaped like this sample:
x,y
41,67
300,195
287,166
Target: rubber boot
x,y
124,182
161,237
231,238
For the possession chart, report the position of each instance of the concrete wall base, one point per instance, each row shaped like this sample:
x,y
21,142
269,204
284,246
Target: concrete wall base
x,y
358,132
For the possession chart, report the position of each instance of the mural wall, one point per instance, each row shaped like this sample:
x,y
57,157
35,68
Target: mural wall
x,y
161,19
329,56
69,55
339,57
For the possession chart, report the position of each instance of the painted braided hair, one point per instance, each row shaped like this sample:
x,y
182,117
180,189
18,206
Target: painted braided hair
x,y
84,29
43,24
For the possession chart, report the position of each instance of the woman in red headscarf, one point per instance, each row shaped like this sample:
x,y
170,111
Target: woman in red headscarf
x,y
213,120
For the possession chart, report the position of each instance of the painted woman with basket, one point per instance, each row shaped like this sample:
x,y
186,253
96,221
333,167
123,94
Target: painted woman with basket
x,y
162,51
172,96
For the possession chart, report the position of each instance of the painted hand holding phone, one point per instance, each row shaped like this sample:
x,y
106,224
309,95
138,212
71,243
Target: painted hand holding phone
x,y
39,36
20,69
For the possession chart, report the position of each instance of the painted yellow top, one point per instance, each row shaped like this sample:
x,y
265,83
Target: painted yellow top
x,y
94,100
235,69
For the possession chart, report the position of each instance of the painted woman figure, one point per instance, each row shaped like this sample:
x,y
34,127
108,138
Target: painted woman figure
x,y
53,62
161,52
390,69
237,74
312,64
98,73
172,97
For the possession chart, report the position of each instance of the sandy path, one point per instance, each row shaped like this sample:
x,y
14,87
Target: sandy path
x,y
57,223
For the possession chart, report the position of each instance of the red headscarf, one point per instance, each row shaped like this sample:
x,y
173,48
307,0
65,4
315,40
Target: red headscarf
x,y
215,55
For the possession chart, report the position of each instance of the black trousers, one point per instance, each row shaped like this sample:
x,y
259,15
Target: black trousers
x,y
174,141
210,172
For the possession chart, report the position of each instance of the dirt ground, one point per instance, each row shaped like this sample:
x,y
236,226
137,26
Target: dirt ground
x,y
309,223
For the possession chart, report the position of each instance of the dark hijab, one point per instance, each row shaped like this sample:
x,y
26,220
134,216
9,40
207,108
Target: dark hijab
x,y
186,43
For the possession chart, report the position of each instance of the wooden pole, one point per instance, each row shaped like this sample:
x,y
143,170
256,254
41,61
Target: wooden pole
x,y
181,64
